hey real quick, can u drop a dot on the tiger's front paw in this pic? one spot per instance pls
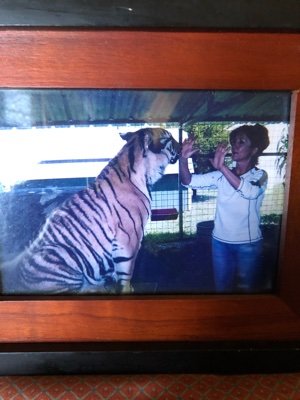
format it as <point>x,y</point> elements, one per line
<point>125,288</point>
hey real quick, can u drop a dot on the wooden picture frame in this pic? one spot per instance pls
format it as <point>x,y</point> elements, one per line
<point>132,59</point>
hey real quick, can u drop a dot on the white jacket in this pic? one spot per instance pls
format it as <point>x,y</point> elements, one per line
<point>237,216</point>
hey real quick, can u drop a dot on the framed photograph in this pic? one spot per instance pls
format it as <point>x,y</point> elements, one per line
<point>102,239</point>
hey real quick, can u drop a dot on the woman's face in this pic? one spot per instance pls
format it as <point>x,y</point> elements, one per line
<point>241,148</point>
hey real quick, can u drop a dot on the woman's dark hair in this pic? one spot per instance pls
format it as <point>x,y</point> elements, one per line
<point>258,136</point>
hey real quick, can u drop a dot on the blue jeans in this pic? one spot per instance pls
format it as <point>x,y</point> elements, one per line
<point>237,267</point>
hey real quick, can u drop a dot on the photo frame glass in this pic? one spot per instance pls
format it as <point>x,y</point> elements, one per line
<point>80,215</point>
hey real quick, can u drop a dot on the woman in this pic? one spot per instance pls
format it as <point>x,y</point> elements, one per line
<point>236,237</point>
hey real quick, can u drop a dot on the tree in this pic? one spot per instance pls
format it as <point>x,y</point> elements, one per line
<point>282,148</point>
<point>207,136</point>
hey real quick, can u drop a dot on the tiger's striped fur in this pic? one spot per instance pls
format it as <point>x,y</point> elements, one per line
<point>90,243</point>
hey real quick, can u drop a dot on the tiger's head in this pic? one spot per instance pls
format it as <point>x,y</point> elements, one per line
<point>157,149</point>
<point>156,140</point>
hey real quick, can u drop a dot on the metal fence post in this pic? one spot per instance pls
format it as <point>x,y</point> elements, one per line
<point>180,192</point>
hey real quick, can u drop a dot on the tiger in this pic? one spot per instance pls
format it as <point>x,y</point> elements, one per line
<point>90,242</point>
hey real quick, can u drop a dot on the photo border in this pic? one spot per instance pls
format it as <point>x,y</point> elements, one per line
<point>133,59</point>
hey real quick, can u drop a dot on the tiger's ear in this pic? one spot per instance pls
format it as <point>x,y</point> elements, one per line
<point>126,136</point>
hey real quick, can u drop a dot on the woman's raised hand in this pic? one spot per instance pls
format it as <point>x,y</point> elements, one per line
<point>219,157</point>
<point>188,148</point>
